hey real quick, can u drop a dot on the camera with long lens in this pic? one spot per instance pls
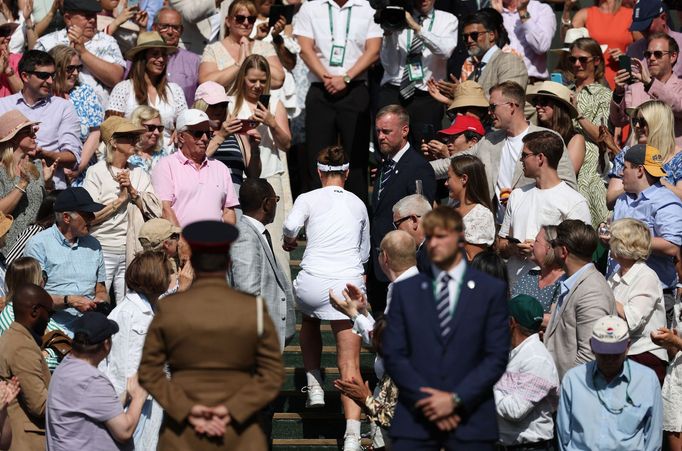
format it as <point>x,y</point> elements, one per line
<point>390,14</point>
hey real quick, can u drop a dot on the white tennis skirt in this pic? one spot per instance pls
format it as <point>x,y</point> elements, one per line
<point>312,295</point>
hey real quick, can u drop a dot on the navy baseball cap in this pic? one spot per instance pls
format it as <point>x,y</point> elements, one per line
<point>644,12</point>
<point>82,5</point>
<point>76,199</point>
<point>94,327</point>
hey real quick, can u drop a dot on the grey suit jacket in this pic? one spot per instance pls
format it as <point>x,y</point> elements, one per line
<point>255,271</point>
<point>503,67</point>
<point>489,150</point>
<point>568,334</point>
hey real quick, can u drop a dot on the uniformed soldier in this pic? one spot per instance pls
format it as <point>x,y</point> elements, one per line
<point>222,351</point>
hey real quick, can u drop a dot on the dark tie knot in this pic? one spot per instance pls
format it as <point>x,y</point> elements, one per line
<point>388,165</point>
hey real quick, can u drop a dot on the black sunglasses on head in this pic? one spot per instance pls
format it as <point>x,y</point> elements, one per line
<point>42,75</point>
<point>239,18</point>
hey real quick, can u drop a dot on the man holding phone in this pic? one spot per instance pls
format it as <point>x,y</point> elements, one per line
<point>651,79</point>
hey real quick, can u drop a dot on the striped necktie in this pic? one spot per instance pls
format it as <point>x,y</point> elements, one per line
<point>414,53</point>
<point>478,70</point>
<point>443,305</point>
<point>387,170</point>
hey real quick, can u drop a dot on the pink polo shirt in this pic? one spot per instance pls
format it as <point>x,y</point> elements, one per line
<point>195,195</point>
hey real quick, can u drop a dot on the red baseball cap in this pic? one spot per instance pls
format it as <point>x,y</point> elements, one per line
<point>463,123</point>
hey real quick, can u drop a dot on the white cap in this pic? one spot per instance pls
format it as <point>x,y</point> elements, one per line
<point>573,34</point>
<point>190,117</point>
<point>610,335</point>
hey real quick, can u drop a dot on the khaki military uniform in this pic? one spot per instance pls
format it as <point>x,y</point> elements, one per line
<point>208,336</point>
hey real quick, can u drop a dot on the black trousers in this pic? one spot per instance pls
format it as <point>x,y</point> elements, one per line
<point>329,118</point>
<point>449,444</point>
<point>426,113</point>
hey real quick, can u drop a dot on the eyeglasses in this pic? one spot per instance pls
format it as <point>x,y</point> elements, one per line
<point>168,26</point>
<point>639,122</point>
<point>274,197</point>
<point>175,236</point>
<point>241,19</point>
<point>42,75</point>
<point>583,59</point>
<point>397,222</point>
<point>494,106</point>
<point>525,155</point>
<point>198,134</point>
<point>74,67</point>
<point>658,54</point>
<point>152,127</point>
<point>473,35</point>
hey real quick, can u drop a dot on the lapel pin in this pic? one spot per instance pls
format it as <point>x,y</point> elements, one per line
<point>471,284</point>
<point>425,286</point>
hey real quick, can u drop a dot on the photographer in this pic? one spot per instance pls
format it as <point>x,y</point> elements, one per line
<point>415,54</point>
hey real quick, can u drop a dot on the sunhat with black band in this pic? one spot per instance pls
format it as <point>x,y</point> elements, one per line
<point>148,40</point>
<point>557,92</point>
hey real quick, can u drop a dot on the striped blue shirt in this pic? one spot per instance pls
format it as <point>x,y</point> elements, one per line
<point>73,269</point>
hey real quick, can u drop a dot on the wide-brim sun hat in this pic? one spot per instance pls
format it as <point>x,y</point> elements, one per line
<point>572,35</point>
<point>469,94</point>
<point>148,40</point>
<point>11,123</point>
<point>555,91</point>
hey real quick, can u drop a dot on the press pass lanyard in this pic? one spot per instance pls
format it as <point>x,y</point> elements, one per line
<point>331,23</point>
<point>409,30</point>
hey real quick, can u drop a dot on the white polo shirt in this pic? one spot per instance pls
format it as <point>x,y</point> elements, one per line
<point>315,20</point>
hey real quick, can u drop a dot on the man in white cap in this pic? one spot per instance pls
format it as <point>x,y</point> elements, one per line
<point>191,186</point>
<point>612,402</point>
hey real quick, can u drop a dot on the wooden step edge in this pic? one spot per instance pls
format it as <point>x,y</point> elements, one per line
<point>312,442</point>
<point>330,370</point>
<point>312,415</point>
<point>325,349</point>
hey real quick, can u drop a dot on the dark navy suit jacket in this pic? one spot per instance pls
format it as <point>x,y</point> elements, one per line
<point>469,361</point>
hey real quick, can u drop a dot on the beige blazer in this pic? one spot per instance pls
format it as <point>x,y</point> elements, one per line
<point>568,334</point>
<point>503,67</point>
<point>21,356</point>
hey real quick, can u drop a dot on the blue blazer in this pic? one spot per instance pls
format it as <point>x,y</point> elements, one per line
<point>469,361</point>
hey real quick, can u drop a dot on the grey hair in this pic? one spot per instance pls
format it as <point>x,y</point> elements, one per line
<point>167,9</point>
<point>414,204</point>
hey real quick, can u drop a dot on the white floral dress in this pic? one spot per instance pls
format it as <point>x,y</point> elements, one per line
<point>672,386</point>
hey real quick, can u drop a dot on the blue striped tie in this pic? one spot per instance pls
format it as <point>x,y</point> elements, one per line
<point>386,173</point>
<point>443,305</point>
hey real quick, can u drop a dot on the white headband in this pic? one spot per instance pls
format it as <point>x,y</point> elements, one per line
<point>329,168</point>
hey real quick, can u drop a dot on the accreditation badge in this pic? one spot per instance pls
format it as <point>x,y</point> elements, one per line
<point>415,71</point>
<point>337,56</point>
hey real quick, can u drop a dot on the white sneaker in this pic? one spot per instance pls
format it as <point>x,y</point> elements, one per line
<point>315,396</point>
<point>351,442</point>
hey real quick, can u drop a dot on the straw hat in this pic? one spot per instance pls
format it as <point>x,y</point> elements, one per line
<point>5,223</point>
<point>555,91</point>
<point>117,124</point>
<point>572,35</point>
<point>148,40</point>
<point>11,122</point>
<point>469,93</point>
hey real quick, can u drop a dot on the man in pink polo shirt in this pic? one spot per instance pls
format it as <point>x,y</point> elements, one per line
<point>192,186</point>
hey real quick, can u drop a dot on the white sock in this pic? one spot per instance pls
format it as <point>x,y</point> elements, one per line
<point>314,377</point>
<point>353,427</point>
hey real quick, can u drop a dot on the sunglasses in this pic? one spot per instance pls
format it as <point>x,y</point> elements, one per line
<point>473,35</point>
<point>151,128</point>
<point>129,137</point>
<point>639,122</point>
<point>175,236</point>
<point>49,311</point>
<point>42,75</point>
<point>74,67</point>
<point>167,26</point>
<point>658,54</point>
<point>275,197</point>
<point>30,131</point>
<point>525,155</point>
<point>493,106</point>
<point>583,59</point>
<point>543,101</point>
<point>198,134</point>
<point>241,19</point>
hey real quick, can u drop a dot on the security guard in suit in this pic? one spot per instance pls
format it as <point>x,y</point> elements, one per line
<point>222,351</point>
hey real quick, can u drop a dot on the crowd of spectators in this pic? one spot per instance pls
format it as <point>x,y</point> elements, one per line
<point>497,216</point>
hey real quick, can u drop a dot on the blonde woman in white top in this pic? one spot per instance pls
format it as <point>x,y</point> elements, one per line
<point>128,196</point>
<point>337,228</point>
<point>253,80</point>
<point>638,292</point>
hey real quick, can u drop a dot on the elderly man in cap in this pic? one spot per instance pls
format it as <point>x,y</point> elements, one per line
<point>611,403</point>
<point>71,257</point>
<point>21,357</point>
<point>83,409</point>
<point>527,393</point>
<point>191,186</point>
<point>103,63</point>
<point>160,234</point>
<point>225,357</point>
<point>647,200</point>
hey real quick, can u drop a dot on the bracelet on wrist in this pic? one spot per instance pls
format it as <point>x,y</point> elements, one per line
<point>20,189</point>
<point>566,22</point>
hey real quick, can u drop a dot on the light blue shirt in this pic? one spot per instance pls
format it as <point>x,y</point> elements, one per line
<point>661,211</point>
<point>73,269</point>
<point>565,285</point>
<point>584,423</point>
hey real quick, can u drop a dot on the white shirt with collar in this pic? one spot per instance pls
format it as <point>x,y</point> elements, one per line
<point>312,21</point>
<point>396,158</point>
<point>256,223</point>
<point>454,284</point>
<point>439,33</point>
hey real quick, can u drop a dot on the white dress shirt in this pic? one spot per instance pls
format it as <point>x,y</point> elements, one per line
<point>454,284</point>
<point>439,34</point>
<point>527,394</point>
<point>312,21</point>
